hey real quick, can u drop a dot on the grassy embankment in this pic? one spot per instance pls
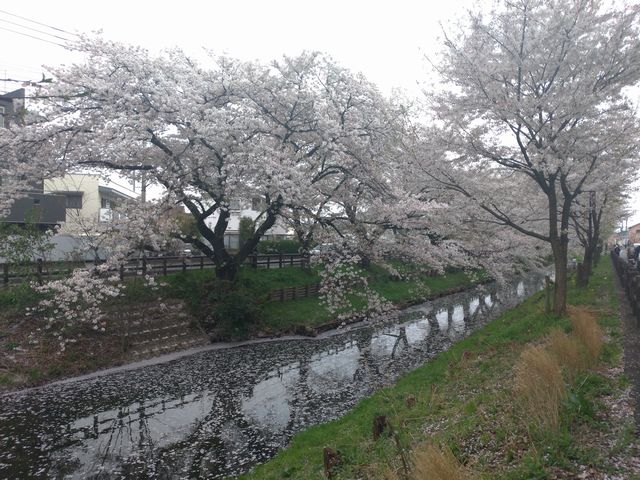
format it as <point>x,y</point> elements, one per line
<point>475,411</point>
<point>23,363</point>
<point>259,316</point>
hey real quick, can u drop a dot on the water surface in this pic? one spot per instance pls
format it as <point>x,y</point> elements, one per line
<point>218,413</point>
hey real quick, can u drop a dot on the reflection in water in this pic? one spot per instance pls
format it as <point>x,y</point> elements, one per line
<point>417,331</point>
<point>488,301</point>
<point>457,320</point>
<point>442,317</point>
<point>268,406</point>
<point>473,306</point>
<point>332,368</point>
<point>218,413</point>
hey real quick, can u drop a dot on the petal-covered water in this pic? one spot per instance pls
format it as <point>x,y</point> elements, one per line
<point>218,413</point>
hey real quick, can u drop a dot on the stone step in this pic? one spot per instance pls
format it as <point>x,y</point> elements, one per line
<point>155,330</point>
<point>151,316</point>
<point>160,338</point>
<point>149,330</point>
<point>160,349</point>
<point>162,308</point>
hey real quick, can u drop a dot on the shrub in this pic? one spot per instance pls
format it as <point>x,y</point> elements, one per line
<point>586,328</point>
<point>540,387</point>
<point>228,310</point>
<point>279,246</point>
<point>567,351</point>
<point>438,464</point>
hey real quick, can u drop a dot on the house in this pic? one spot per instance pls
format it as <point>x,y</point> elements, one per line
<point>252,210</point>
<point>11,107</point>
<point>634,233</point>
<point>88,198</point>
<point>34,206</point>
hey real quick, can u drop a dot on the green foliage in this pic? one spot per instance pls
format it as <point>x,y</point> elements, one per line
<point>16,298</point>
<point>229,310</point>
<point>279,246</point>
<point>187,224</point>
<point>21,245</point>
<point>245,229</point>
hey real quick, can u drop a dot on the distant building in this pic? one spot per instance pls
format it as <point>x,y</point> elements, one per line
<point>634,233</point>
<point>250,209</point>
<point>11,107</point>
<point>87,197</point>
<point>33,206</point>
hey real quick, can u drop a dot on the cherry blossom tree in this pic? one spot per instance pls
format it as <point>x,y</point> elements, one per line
<point>232,131</point>
<point>77,300</point>
<point>598,213</point>
<point>532,108</point>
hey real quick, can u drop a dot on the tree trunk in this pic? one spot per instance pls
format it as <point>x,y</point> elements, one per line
<point>597,254</point>
<point>560,255</point>
<point>228,271</point>
<point>588,264</point>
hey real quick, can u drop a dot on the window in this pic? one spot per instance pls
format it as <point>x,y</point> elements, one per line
<point>1,117</point>
<point>73,200</point>
<point>258,204</point>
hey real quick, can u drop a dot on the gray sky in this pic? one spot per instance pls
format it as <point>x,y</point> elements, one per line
<point>384,40</point>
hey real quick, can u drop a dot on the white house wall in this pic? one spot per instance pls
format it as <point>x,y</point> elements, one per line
<point>234,222</point>
<point>88,185</point>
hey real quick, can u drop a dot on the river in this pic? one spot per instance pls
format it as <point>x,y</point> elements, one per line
<point>218,413</point>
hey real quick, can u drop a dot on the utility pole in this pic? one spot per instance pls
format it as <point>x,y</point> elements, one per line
<point>143,186</point>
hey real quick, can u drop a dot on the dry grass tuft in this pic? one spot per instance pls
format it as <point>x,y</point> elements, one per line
<point>435,463</point>
<point>540,387</point>
<point>568,351</point>
<point>586,328</point>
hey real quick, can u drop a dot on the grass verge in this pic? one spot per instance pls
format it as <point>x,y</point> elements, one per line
<point>463,401</point>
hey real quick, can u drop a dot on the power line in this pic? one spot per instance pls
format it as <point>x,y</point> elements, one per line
<point>33,36</point>
<point>35,29</point>
<point>39,23</point>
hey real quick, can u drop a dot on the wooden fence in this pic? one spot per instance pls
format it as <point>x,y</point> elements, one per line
<point>40,270</point>
<point>292,293</point>
<point>630,279</point>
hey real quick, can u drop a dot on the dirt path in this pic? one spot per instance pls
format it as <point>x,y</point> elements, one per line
<point>631,345</point>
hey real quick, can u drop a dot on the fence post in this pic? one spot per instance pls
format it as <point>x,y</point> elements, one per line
<point>144,266</point>
<point>184,264</point>
<point>280,260</point>
<point>547,303</point>
<point>5,273</point>
<point>201,263</point>
<point>268,262</point>
<point>164,266</point>
<point>254,261</point>
<point>122,272</point>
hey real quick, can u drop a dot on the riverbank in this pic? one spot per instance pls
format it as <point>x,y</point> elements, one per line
<point>465,402</point>
<point>29,360</point>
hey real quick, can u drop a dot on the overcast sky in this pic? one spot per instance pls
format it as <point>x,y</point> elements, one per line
<point>387,41</point>
<point>384,40</point>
